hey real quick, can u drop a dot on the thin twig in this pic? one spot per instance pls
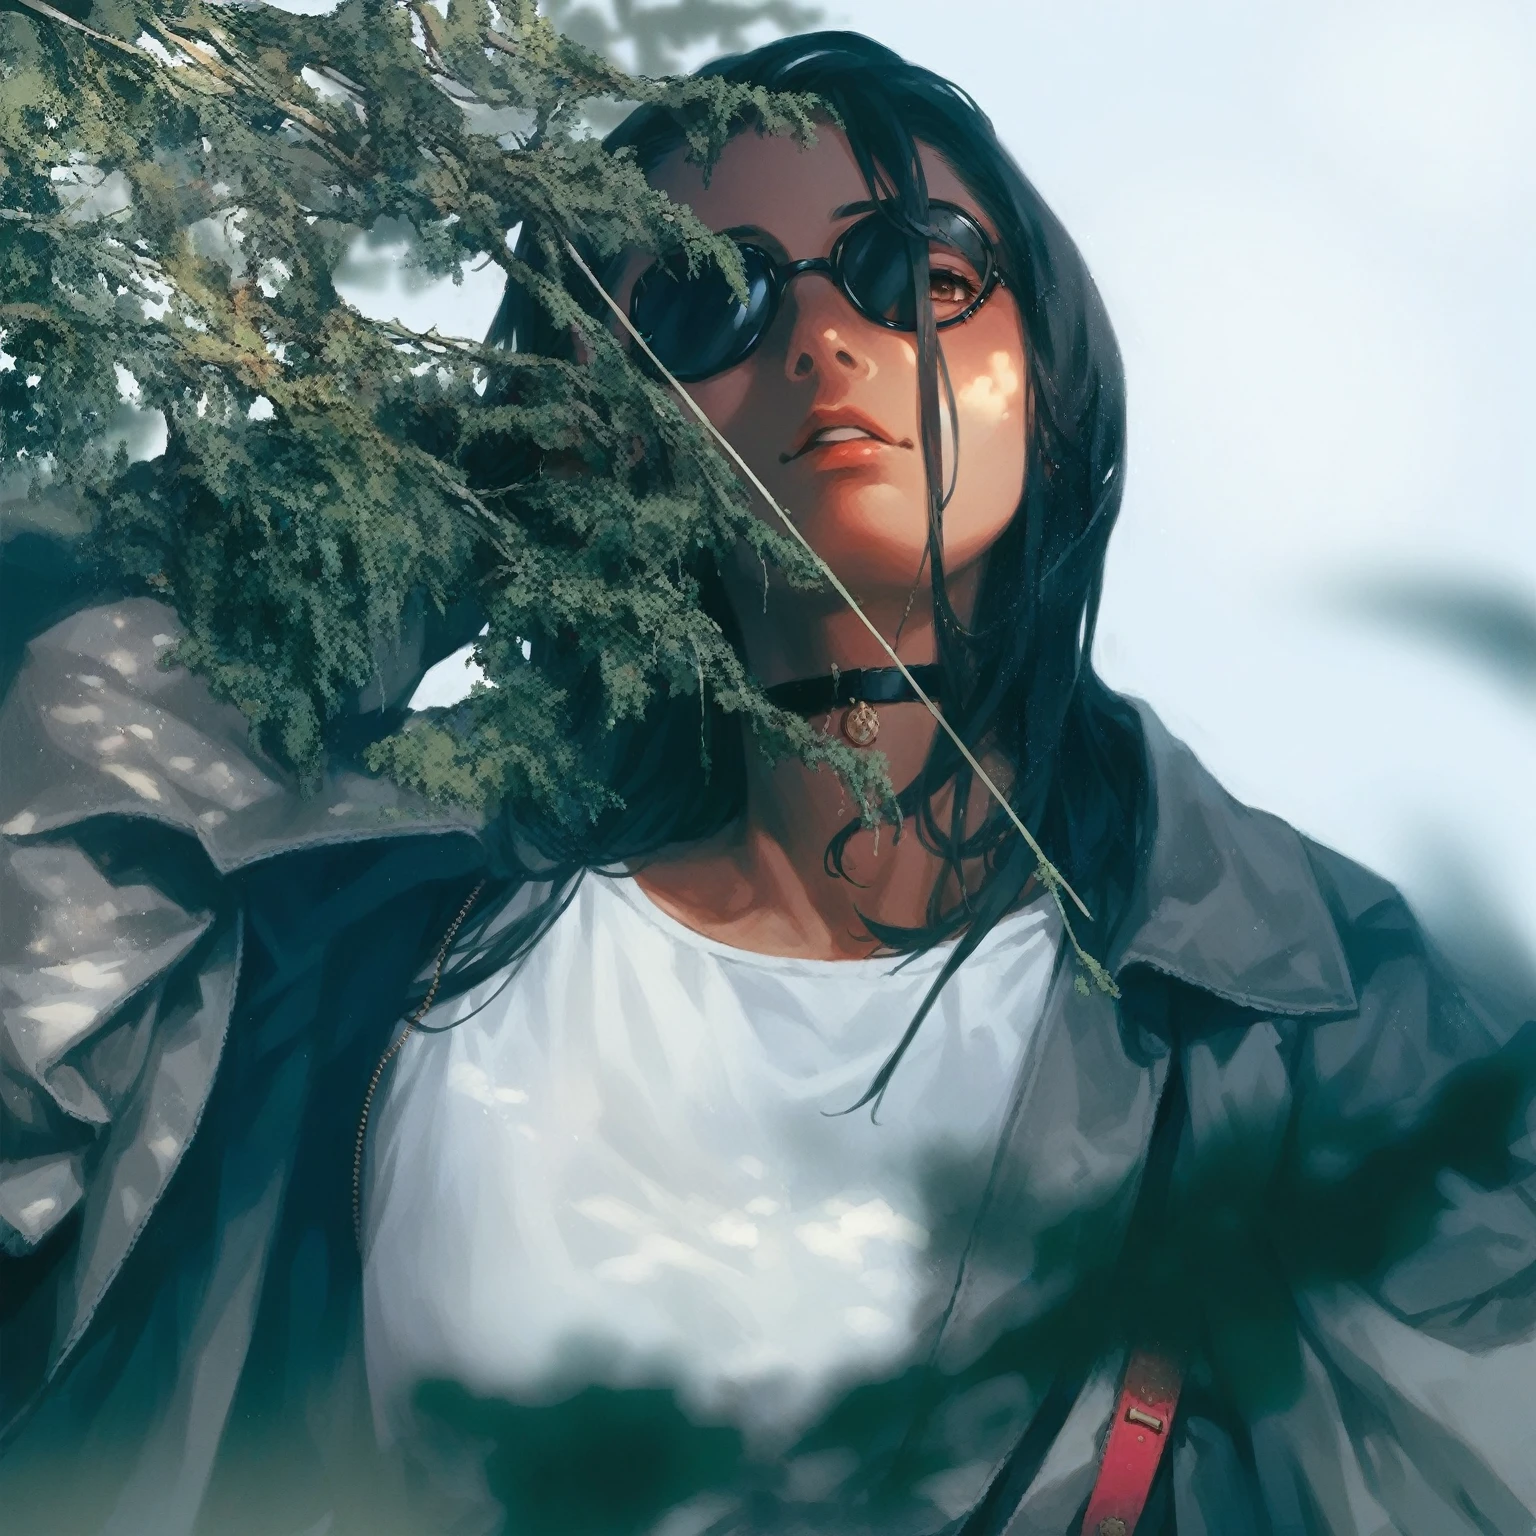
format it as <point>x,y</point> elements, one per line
<point>198,55</point>
<point>34,312</point>
<point>43,9</point>
<point>431,50</point>
<point>216,70</point>
<point>1050,876</point>
<point>231,68</point>
<point>463,345</point>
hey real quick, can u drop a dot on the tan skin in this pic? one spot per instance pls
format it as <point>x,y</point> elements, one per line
<point>761,884</point>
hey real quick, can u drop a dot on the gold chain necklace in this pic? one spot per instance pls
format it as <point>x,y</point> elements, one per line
<point>389,1055</point>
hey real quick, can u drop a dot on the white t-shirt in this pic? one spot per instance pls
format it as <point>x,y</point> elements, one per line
<point>622,1170</point>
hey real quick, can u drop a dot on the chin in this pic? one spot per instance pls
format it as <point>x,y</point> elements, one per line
<point>870,533</point>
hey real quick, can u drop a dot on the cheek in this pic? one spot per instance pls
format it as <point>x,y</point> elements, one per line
<point>723,398</point>
<point>991,408</point>
<point>991,401</point>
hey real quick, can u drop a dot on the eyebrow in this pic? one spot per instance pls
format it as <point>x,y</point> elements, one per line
<point>846,211</point>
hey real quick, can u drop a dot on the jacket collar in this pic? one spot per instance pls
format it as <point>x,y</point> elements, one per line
<point>1226,897</point>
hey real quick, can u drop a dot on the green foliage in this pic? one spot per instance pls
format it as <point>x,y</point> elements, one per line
<point>174,199</point>
<point>662,39</point>
<point>658,39</point>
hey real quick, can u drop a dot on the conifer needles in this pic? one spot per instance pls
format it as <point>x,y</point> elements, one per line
<point>176,193</point>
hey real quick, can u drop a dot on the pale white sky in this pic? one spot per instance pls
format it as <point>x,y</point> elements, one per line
<point>1313,224</point>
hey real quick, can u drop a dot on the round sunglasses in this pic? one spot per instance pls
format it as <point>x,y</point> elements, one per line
<point>698,326</point>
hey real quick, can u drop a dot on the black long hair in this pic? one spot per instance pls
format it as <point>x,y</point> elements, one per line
<point>1020,680</point>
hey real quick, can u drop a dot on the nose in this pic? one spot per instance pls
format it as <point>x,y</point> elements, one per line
<point>824,337</point>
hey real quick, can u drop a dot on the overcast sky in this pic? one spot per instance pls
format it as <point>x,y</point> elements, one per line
<point>1313,223</point>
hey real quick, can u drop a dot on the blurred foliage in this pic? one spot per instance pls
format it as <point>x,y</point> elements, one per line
<point>1472,927</point>
<point>176,192</point>
<point>665,39</point>
<point>659,39</point>
<point>1491,626</point>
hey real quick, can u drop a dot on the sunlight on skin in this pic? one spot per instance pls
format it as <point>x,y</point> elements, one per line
<point>991,396</point>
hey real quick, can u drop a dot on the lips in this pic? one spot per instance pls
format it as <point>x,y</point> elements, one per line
<point>823,428</point>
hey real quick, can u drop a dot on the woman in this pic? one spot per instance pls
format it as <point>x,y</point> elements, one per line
<point>1245,1223</point>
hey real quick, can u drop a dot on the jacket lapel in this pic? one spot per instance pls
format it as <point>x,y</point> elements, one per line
<point>1226,899</point>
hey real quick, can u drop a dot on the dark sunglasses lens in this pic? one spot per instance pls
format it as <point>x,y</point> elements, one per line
<point>960,236</point>
<point>695,324</point>
<point>878,274</point>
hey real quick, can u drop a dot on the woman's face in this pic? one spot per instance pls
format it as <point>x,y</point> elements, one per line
<point>826,409</point>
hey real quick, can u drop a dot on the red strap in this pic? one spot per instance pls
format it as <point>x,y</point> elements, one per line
<point>1137,1434</point>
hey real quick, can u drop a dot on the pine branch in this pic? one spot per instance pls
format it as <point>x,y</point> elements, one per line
<point>178,211</point>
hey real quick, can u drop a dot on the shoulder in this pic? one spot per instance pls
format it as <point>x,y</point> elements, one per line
<point>1258,922</point>
<point>1426,1017</point>
<point>1422,1077</point>
<point>1383,939</point>
<point>98,724</point>
<point>148,856</point>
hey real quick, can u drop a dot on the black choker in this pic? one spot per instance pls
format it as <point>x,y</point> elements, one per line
<point>856,691</point>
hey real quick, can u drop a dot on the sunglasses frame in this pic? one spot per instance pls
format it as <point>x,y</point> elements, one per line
<point>780,274</point>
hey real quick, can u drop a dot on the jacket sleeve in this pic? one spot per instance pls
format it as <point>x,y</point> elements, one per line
<point>129,799</point>
<point>1414,1238</point>
<point>118,951</point>
<point>1386,1376</point>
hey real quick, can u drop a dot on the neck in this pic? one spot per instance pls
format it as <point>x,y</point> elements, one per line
<point>763,884</point>
<point>806,634</point>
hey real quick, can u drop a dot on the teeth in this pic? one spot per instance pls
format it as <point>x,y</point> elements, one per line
<point>840,434</point>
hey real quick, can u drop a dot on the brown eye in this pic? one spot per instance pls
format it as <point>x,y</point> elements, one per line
<point>950,290</point>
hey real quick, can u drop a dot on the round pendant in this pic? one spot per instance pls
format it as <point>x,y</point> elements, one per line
<point>861,724</point>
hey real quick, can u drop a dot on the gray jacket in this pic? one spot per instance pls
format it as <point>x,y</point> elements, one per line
<point>1294,1145</point>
